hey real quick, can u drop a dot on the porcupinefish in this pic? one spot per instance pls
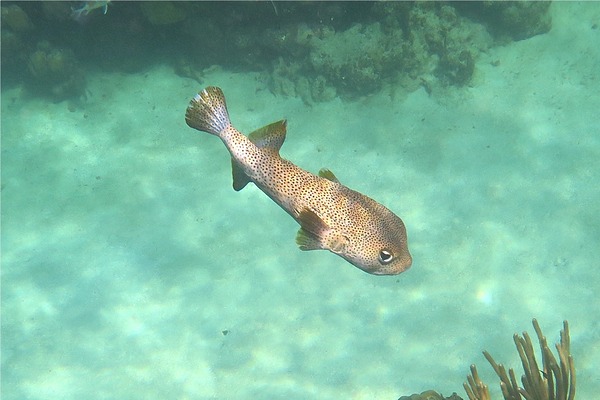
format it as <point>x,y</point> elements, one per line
<point>331,216</point>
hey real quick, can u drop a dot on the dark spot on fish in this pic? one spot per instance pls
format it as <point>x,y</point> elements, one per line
<point>225,332</point>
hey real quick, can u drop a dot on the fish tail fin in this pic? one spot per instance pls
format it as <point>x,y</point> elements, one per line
<point>207,111</point>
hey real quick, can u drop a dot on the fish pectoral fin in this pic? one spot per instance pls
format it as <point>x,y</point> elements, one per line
<point>270,137</point>
<point>312,232</point>
<point>337,243</point>
<point>327,174</point>
<point>307,241</point>
<point>240,179</point>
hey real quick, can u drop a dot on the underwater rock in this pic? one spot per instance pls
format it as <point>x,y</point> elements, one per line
<point>284,77</point>
<point>57,11</point>
<point>411,41</point>
<point>457,69</point>
<point>288,80</point>
<point>352,62</point>
<point>55,72</point>
<point>522,20</point>
<point>186,69</point>
<point>321,91</point>
<point>513,20</point>
<point>15,18</point>
<point>12,44</point>
<point>16,31</point>
<point>162,12</point>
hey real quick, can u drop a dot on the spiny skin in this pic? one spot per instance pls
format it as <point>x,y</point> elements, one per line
<point>332,216</point>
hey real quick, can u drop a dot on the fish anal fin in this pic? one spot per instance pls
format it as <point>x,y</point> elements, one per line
<point>312,232</point>
<point>327,174</point>
<point>270,137</point>
<point>240,179</point>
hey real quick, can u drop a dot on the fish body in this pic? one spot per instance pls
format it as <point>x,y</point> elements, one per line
<point>331,216</point>
<point>87,7</point>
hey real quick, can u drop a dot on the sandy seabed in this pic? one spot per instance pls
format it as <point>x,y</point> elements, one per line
<point>132,270</point>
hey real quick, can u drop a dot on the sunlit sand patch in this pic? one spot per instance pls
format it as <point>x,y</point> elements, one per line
<point>486,294</point>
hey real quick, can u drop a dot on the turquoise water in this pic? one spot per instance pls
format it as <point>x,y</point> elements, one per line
<point>131,269</point>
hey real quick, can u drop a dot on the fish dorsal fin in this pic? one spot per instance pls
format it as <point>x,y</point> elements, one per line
<point>240,179</point>
<point>327,174</point>
<point>312,232</point>
<point>270,137</point>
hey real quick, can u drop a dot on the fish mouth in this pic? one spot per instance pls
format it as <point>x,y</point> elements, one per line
<point>405,262</point>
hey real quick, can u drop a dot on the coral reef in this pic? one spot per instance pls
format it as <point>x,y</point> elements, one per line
<point>451,41</point>
<point>313,50</point>
<point>430,395</point>
<point>555,381</point>
<point>357,58</point>
<point>409,42</point>
<point>476,389</point>
<point>47,70</point>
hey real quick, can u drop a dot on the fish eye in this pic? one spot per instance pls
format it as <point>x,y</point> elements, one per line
<point>385,257</point>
